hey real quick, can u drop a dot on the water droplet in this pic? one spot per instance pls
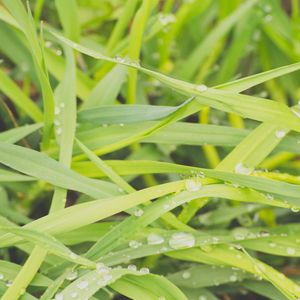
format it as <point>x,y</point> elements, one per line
<point>264,233</point>
<point>154,239</point>
<point>272,244</point>
<point>134,244</point>
<point>1,276</point>
<point>107,277</point>
<point>58,52</point>
<point>215,240</point>
<point>290,251</point>
<point>57,110</point>
<point>280,134</point>
<point>48,44</point>
<point>269,197</point>
<point>201,88</point>
<point>72,275</point>
<point>82,284</point>
<point>202,297</point>
<point>192,185</point>
<point>162,298</point>
<point>73,295</point>
<point>72,255</point>
<point>144,271</point>
<point>233,278</point>
<point>9,283</point>
<point>166,19</point>
<point>132,267</point>
<point>267,8</point>
<point>268,18</point>
<point>182,240</point>
<point>186,275</point>
<point>295,209</point>
<point>138,212</point>
<point>59,296</point>
<point>119,59</point>
<point>121,124</point>
<point>296,109</point>
<point>166,206</point>
<point>62,105</point>
<point>102,268</point>
<point>241,169</point>
<point>56,122</point>
<point>58,131</point>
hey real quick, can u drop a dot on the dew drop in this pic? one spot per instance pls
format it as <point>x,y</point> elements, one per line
<point>73,295</point>
<point>82,285</point>
<point>233,278</point>
<point>57,110</point>
<point>268,18</point>
<point>1,276</point>
<point>58,52</point>
<point>201,88</point>
<point>186,275</point>
<point>182,240</point>
<point>192,185</point>
<point>102,268</point>
<point>73,255</point>
<point>269,197</point>
<point>295,209</point>
<point>134,244</point>
<point>58,131</point>
<point>272,244</point>
<point>290,251</point>
<point>72,275</point>
<point>154,239</point>
<point>119,59</point>
<point>202,297</point>
<point>121,124</point>
<point>166,19</point>
<point>144,271</point>
<point>9,283</point>
<point>166,206</point>
<point>48,44</point>
<point>107,277</point>
<point>242,169</point>
<point>280,134</point>
<point>59,297</point>
<point>138,212</point>
<point>162,298</point>
<point>131,267</point>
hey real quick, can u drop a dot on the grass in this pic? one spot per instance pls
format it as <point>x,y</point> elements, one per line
<point>149,150</point>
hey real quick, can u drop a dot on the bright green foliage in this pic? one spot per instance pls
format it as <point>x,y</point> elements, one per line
<point>123,175</point>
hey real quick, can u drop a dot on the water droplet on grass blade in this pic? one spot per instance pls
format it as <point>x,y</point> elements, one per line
<point>280,134</point>
<point>1,276</point>
<point>59,297</point>
<point>154,239</point>
<point>134,244</point>
<point>181,240</point>
<point>72,275</point>
<point>138,212</point>
<point>192,185</point>
<point>144,271</point>
<point>73,295</point>
<point>82,284</point>
<point>242,169</point>
<point>201,88</point>
<point>290,251</point>
<point>132,267</point>
<point>186,275</point>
